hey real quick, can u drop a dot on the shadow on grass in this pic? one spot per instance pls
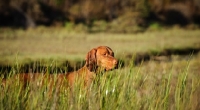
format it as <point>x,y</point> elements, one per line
<point>68,66</point>
<point>164,55</point>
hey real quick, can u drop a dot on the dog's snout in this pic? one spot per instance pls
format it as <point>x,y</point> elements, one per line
<point>115,62</point>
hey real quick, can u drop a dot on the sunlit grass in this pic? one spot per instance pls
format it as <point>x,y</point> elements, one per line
<point>152,85</point>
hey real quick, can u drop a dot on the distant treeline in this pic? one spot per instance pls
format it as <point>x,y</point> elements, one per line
<point>31,13</point>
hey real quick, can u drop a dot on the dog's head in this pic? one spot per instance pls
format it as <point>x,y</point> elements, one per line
<point>101,56</point>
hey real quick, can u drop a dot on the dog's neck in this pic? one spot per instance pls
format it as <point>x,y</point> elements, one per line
<point>90,73</point>
<point>95,69</point>
<point>86,71</point>
<point>87,75</point>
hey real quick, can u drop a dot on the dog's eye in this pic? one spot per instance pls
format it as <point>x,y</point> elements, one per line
<point>104,54</point>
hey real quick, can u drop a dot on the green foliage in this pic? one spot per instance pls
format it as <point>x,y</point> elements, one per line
<point>154,26</point>
<point>99,26</point>
<point>69,26</point>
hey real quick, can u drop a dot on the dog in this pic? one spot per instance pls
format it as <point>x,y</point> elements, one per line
<point>100,58</point>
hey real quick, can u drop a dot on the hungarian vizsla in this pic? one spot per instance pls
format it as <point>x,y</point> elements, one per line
<point>100,58</point>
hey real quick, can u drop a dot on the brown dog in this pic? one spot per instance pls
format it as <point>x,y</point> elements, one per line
<point>101,57</point>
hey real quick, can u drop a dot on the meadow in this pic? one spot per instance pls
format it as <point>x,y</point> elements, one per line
<point>170,83</point>
<point>59,43</point>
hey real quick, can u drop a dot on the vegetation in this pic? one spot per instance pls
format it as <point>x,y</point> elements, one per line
<point>169,83</point>
<point>152,85</point>
<point>157,44</point>
<point>134,13</point>
<point>60,44</point>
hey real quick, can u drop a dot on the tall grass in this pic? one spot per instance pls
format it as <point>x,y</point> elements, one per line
<point>153,86</point>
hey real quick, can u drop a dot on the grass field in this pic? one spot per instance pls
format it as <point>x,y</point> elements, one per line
<point>58,43</point>
<point>155,85</point>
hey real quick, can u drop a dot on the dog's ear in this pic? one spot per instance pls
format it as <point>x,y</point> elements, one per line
<point>91,61</point>
<point>110,51</point>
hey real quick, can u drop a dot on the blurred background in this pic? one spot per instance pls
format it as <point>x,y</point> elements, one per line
<point>90,13</point>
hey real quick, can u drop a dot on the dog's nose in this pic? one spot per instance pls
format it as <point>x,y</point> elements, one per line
<point>115,62</point>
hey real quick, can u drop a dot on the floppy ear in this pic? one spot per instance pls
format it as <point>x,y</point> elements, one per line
<point>91,61</point>
<point>110,51</point>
